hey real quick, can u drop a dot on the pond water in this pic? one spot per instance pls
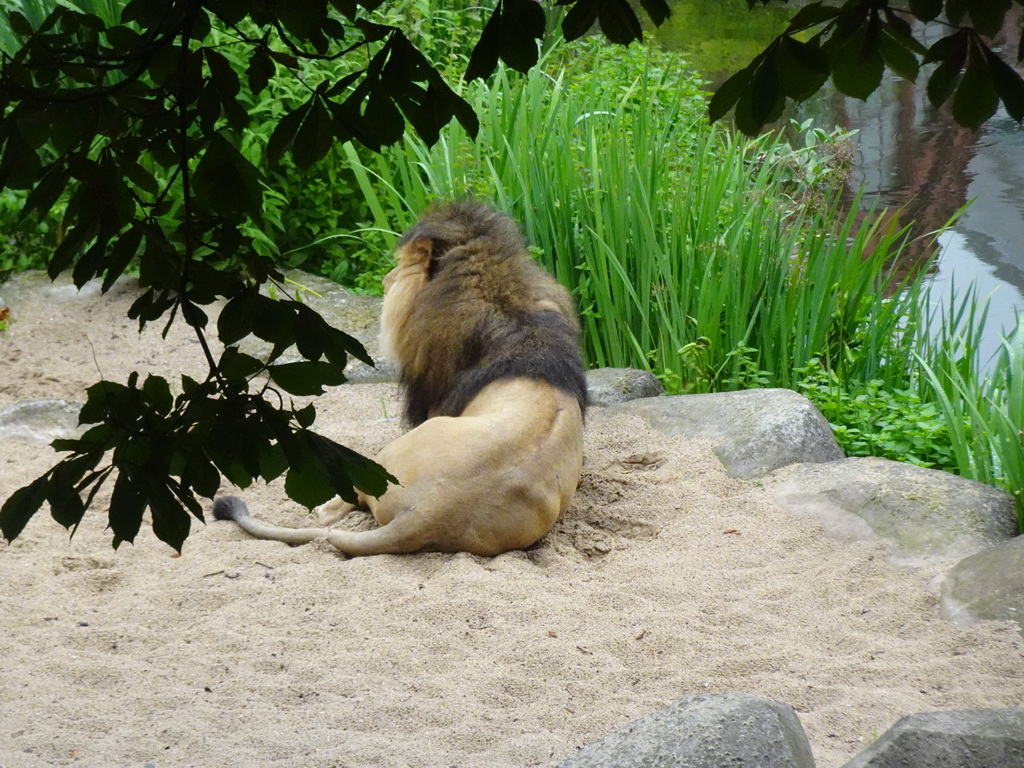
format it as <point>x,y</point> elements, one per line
<point>908,156</point>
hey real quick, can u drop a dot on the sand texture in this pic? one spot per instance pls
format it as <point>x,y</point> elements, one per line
<point>665,578</point>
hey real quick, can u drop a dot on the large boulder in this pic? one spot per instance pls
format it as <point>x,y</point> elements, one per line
<point>704,731</point>
<point>752,432</point>
<point>978,738</point>
<point>608,386</point>
<point>925,513</point>
<point>988,585</point>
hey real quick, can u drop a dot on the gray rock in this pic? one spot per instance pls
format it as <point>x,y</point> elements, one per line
<point>925,513</point>
<point>752,432</point>
<point>608,386</point>
<point>988,585</point>
<point>973,738</point>
<point>40,421</point>
<point>704,731</point>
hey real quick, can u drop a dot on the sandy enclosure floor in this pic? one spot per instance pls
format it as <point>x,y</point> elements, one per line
<point>665,578</point>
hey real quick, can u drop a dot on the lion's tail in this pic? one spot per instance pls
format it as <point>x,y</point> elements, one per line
<point>401,536</point>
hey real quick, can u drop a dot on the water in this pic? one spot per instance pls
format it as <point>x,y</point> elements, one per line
<point>913,157</point>
<point>908,156</point>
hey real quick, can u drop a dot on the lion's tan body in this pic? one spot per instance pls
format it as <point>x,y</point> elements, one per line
<point>486,343</point>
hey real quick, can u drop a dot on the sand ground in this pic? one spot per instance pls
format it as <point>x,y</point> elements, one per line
<point>665,578</point>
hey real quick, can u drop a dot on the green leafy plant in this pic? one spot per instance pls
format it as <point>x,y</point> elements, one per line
<point>870,420</point>
<point>139,124</point>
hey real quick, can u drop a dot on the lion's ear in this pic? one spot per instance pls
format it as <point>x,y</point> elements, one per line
<point>417,254</point>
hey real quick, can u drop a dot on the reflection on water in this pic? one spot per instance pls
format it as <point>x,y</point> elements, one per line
<point>912,156</point>
<point>908,156</point>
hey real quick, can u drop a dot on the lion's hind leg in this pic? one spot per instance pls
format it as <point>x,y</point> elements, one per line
<point>334,510</point>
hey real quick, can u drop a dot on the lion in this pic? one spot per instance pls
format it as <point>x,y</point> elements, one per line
<point>487,345</point>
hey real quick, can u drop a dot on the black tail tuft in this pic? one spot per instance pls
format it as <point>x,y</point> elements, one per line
<point>229,508</point>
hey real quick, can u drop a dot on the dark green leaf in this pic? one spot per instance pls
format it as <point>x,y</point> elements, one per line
<point>127,503</point>
<point>522,26</point>
<point>729,92</point>
<point>315,136</point>
<point>171,523</point>
<point>284,134</point>
<point>20,167</point>
<point>21,506</point>
<point>987,16</point>
<point>956,10</point>
<point>46,192</point>
<point>926,10</point>
<point>66,506</point>
<point>261,69</point>
<point>1008,85</point>
<point>306,378</point>
<point>346,468</point>
<point>307,484</point>
<point>580,19</point>
<point>229,11</point>
<point>810,16</point>
<point>944,79</point>
<point>226,183</point>
<point>236,365</point>
<point>802,68</point>
<point>158,392</point>
<point>857,65</point>
<point>201,475</point>
<point>274,321</point>
<point>19,24</point>
<point>125,249</point>
<point>897,57</point>
<point>238,317</point>
<point>146,12</point>
<point>619,22</point>
<point>484,58</point>
<point>976,99</point>
<point>657,10</point>
<point>306,416</point>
